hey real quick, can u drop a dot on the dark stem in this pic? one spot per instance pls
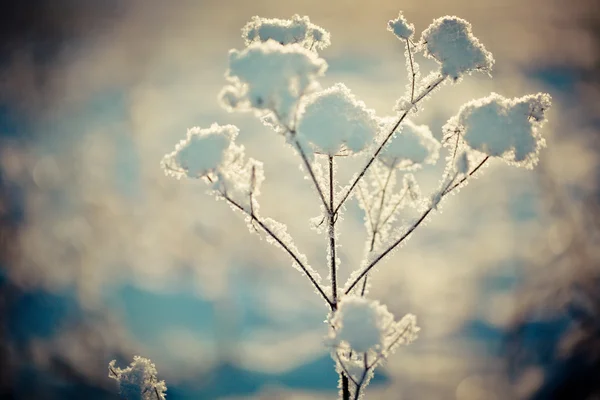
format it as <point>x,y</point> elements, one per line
<point>345,387</point>
<point>332,267</point>
<point>412,71</point>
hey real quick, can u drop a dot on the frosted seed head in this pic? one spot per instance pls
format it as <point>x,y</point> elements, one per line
<point>450,41</point>
<point>202,152</point>
<point>401,28</point>
<point>410,147</point>
<point>285,31</point>
<point>138,380</point>
<point>504,128</point>
<point>333,120</point>
<point>268,76</point>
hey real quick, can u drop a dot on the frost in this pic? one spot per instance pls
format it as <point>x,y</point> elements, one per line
<point>203,151</point>
<point>366,325</point>
<point>333,120</point>
<point>270,76</point>
<point>284,31</point>
<point>450,41</point>
<point>411,146</point>
<point>401,28</point>
<point>501,127</point>
<point>138,381</point>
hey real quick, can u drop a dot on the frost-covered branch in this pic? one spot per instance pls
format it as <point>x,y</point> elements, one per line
<point>283,245</point>
<point>332,220</point>
<point>138,381</point>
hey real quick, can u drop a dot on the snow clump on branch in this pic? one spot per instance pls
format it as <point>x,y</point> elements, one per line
<point>202,152</point>
<point>284,31</point>
<point>401,28</point>
<point>366,325</point>
<point>450,41</point>
<point>333,120</point>
<point>501,127</point>
<point>138,381</point>
<point>411,146</point>
<point>270,77</point>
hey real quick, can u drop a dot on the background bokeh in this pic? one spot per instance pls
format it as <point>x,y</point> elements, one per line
<point>103,257</point>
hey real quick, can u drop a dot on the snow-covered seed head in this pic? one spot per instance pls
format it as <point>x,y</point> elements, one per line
<point>138,381</point>
<point>202,152</point>
<point>401,28</point>
<point>333,120</point>
<point>366,325</point>
<point>268,76</point>
<point>410,147</point>
<point>504,128</point>
<point>450,41</point>
<point>284,31</point>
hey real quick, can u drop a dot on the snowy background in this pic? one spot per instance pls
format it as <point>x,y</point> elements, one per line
<point>104,257</point>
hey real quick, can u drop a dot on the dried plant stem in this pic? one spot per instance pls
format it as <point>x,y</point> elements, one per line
<point>332,219</point>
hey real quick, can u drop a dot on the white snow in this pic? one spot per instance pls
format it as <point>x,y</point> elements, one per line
<point>203,151</point>
<point>502,127</point>
<point>401,28</point>
<point>333,120</point>
<point>450,41</point>
<point>411,146</point>
<point>138,381</point>
<point>284,31</point>
<point>270,76</point>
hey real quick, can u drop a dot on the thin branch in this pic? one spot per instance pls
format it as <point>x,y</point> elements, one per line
<point>283,245</point>
<point>362,378</point>
<point>337,355</point>
<point>310,171</point>
<point>414,226</point>
<point>466,176</point>
<point>386,219</point>
<point>427,90</point>
<point>412,71</point>
<point>332,267</point>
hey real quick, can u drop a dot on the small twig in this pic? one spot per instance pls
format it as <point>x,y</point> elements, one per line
<point>414,226</point>
<point>113,371</point>
<point>344,368</point>
<point>362,378</point>
<point>412,70</point>
<point>284,246</point>
<point>466,176</point>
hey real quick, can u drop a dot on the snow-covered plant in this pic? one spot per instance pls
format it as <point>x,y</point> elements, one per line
<point>276,77</point>
<point>138,381</point>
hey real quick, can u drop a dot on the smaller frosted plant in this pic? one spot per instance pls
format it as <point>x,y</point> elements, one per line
<point>138,381</point>
<point>276,76</point>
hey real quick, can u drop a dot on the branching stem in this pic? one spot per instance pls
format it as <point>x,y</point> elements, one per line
<point>414,226</point>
